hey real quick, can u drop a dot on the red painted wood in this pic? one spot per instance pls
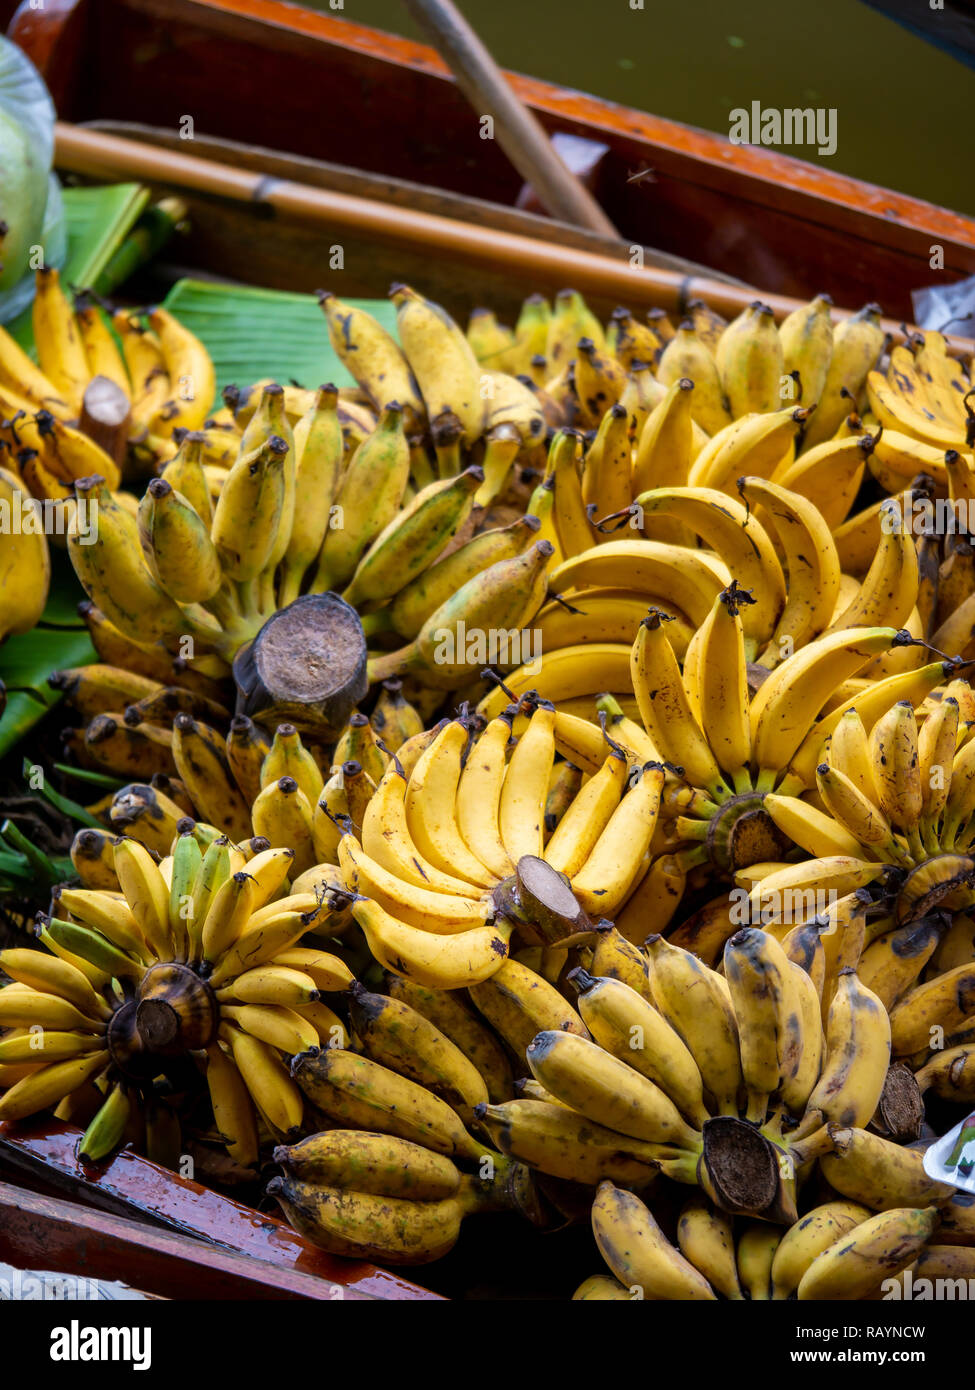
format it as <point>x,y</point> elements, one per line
<point>48,1234</point>
<point>276,74</point>
<point>46,1152</point>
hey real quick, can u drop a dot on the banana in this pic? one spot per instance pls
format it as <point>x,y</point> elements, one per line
<point>440,359</point>
<point>18,372</point>
<point>695,1002</point>
<point>271,984</point>
<point>614,865</point>
<point>392,1033</point>
<point>797,1088</point>
<point>829,476</point>
<point>789,700</point>
<point>858,1035</point>
<point>750,361</point>
<point>112,570</point>
<point>705,1239</point>
<point>201,762</point>
<point>665,710</point>
<point>260,941</point>
<point>318,448</point>
<point>599,380</point>
<point>49,975</point>
<point>870,705</point>
<point>247,747</point>
<point>607,465</point>
<point>60,348</point>
<point>521,807</point>
<point>553,1139</point>
<point>425,594</point>
<point>857,344</point>
<point>742,543</point>
<point>941,1003</point>
<point>909,419</point>
<point>386,838</point>
<point>106,1130</point>
<point>368,499</point>
<point>414,538</point>
<point>476,1042</point>
<point>479,796</point>
<point>948,1073</point>
<point>364,1095</point>
<point>863,820</point>
<point>49,1085</point>
<point>191,376</point>
<point>586,817</point>
<point>877,1173</point>
<point>896,773</point>
<point>266,1078</point>
<point>233,1112</point>
<point>591,1081</point>
<point>766,1005</point>
<point>638,1253</point>
<point>721,703</point>
<point>364,1226</point>
<point>146,893</point>
<point>665,447</point>
<point>813,831</point>
<point>571,320</point>
<point>805,541</point>
<point>755,1252</point>
<point>25,562</point>
<point>46,1045</point>
<point>623,1022</point>
<point>808,1238</point>
<point>473,626</point>
<point>288,757</point>
<point>893,963</point>
<point>519,1003</point>
<point>806,336</point>
<point>374,359</point>
<point>687,357</point>
<point>279,1027</point>
<point>442,913</point>
<point>441,962</point>
<point>759,445</point>
<point>431,813</point>
<point>856,1264</point>
<point>685,578</point>
<point>379,1163</point>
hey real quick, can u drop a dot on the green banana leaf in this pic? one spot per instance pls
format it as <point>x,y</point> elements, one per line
<point>255,334</point>
<point>97,221</point>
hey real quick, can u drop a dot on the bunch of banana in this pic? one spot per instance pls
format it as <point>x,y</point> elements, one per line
<point>162,373</point>
<point>893,795</point>
<point>376,1196</point>
<point>190,962</point>
<point>439,855</point>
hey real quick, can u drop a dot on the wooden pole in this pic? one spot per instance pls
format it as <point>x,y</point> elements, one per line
<point>538,264</point>
<point>518,131</point>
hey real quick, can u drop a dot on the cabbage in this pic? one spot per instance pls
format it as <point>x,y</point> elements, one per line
<point>26,151</point>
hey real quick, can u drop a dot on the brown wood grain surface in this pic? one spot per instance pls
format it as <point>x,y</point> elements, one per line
<point>273,74</point>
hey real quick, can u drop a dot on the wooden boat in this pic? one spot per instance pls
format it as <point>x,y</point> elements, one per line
<point>132,1221</point>
<point>255,72</point>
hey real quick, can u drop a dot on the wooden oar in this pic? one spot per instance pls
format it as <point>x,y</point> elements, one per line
<point>518,132</point>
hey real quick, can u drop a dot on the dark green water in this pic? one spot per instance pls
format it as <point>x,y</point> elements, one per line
<point>904,109</point>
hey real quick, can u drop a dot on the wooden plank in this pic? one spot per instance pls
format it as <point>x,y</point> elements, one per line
<point>764,217</point>
<point>385,237</point>
<point>44,1153</point>
<point>45,1233</point>
<point>319,173</point>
